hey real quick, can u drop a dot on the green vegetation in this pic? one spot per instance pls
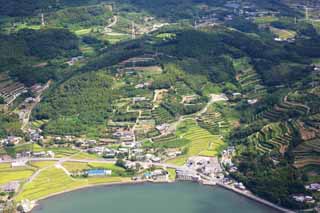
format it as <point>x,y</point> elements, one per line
<point>167,76</point>
<point>10,174</point>
<point>43,164</point>
<point>53,177</point>
<point>201,142</point>
<point>9,125</point>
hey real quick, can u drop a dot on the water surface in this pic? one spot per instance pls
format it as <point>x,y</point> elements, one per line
<point>155,198</point>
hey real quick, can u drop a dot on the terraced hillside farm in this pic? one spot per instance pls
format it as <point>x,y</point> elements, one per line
<point>214,122</point>
<point>274,136</point>
<point>10,89</point>
<point>250,81</point>
<point>203,143</point>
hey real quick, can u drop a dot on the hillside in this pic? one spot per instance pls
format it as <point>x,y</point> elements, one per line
<point>168,79</point>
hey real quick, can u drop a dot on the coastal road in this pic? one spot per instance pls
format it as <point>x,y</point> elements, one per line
<point>60,160</point>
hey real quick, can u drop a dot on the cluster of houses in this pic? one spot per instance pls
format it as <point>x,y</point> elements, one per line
<point>226,156</point>
<point>123,134</point>
<point>303,199</point>
<point>10,140</point>
<point>35,135</point>
<point>187,175</point>
<point>230,182</point>
<point>103,151</point>
<point>163,128</point>
<point>207,166</point>
<point>143,85</point>
<point>156,175</point>
<point>313,187</point>
<point>12,186</point>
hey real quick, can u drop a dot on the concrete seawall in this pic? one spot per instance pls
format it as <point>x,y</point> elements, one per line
<point>255,198</point>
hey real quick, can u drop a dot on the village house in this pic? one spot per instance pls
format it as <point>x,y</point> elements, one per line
<point>138,99</point>
<point>313,187</point>
<point>19,163</point>
<point>239,186</point>
<point>130,165</point>
<point>183,174</point>
<point>303,198</point>
<point>128,144</point>
<point>97,150</point>
<point>252,101</point>
<point>163,128</point>
<point>39,154</point>
<point>11,140</point>
<point>73,60</point>
<point>158,174</point>
<point>109,153</point>
<point>123,150</point>
<point>12,186</point>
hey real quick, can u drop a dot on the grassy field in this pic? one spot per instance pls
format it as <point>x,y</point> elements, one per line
<point>63,152</point>
<point>13,175</point>
<point>43,164</point>
<point>85,156</point>
<point>75,166</point>
<point>283,34</point>
<point>5,166</point>
<point>48,182</point>
<point>265,19</point>
<point>53,180</point>
<point>100,180</point>
<point>172,174</point>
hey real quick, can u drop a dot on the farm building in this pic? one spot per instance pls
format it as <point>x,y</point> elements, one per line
<point>98,172</point>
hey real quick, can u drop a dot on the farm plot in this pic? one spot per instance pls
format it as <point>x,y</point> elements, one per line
<point>202,142</point>
<point>8,174</point>
<point>49,181</point>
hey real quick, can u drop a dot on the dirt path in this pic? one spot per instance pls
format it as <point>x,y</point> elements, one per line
<point>27,114</point>
<point>114,22</point>
<point>173,126</point>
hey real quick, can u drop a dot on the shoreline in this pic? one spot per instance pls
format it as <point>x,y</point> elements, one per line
<point>229,188</point>
<point>35,202</point>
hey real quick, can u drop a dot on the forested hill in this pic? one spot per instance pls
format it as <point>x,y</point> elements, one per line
<point>172,9</point>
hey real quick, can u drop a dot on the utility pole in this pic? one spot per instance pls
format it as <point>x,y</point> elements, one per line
<point>42,20</point>
<point>306,13</point>
<point>133,31</point>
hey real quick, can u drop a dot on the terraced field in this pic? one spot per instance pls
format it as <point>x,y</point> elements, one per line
<point>307,153</point>
<point>202,142</point>
<point>63,152</point>
<point>279,111</point>
<point>274,136</point>
<point>171,141</point>
<point>161,115</point>
<point>75,166</point>
<point>43,164</point>
<point>53,177</point>
<point>8,174</point>
<point>85,156</point>
<point>250,81</point>
<point>214,122</point>
<point>182,89</point>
